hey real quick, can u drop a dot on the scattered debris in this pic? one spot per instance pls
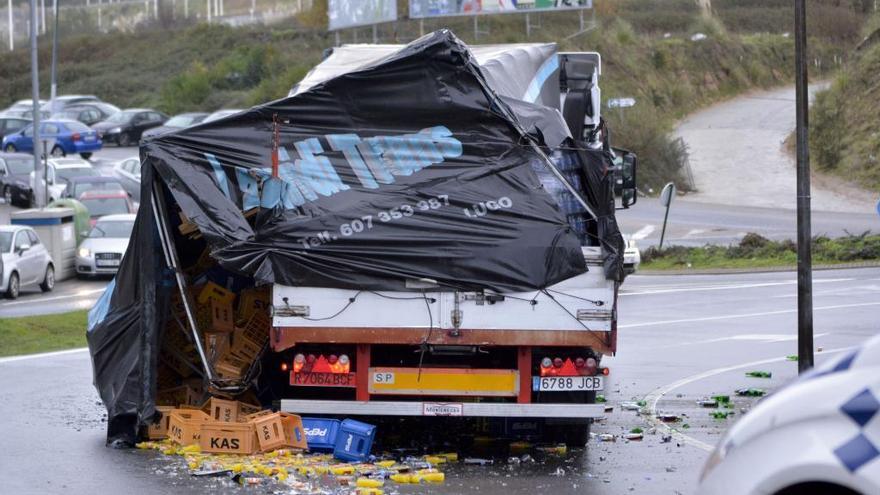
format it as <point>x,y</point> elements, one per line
<point>636,430</point>
<point>478,461</point>
<point>630,406</point>
<point>634,436</point>
<point>707,403</point>
<point>792,357</point>
<point>759,374</point>
<point>642,403</point>
<point>666,439</point>
<point>698,37</point>
<point>606,437</point>
<point>600,399</point>
<point>668,418</point>
<point>721,399</point>
<point>720,414</point>
<point>751,392</point>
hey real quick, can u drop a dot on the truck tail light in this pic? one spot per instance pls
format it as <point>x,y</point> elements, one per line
<point>546,366</point>
<point>590,365</point>
<point>284,366</point>
<point>558,362</point>
<point>298,362</point>
<point>344,363</point>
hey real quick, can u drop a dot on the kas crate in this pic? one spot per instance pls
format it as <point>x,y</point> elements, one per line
<point>222,410</point>
<point>184,426</point>
<point>212,291</point>
<point>219,437</point>
<point>159,429</point>
<point>245,347</point>
<point>254,300</point>
<point>354,441</point>
<point>278,430</point>
<point>222,318</point>
<point>321,433</point>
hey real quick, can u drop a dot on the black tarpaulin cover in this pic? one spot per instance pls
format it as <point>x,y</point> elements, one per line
<point>412,168</point>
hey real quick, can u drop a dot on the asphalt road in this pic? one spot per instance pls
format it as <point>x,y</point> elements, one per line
<point>672,328</point>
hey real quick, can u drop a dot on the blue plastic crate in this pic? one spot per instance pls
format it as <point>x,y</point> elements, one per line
<point>321,433</point>
<point>354,441</point>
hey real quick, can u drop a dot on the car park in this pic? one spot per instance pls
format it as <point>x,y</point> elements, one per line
<point>10,124</point>
<point>24,261</point>
<point>101,251</point>
<point>219,114</point>
<point>88,113</point>
<point>59,172</point>
<point>128,172</point>
<point>77,186</point>
<point>820,434</point>
<point>65,137</point>
<point>126,127</point>
<point>180,121</point>
<point>101,203</point>
<point>15,169</point>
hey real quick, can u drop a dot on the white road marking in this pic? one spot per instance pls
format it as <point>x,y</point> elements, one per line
<point>41,355</point>
<point>728,287</point>
<point>81,293</point>
<point>743,315</point>
<point>643,232</point>
<point>654,397</point>
<point>694,232</point>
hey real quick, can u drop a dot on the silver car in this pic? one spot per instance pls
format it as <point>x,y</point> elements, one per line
<point>101,252</point>
<point>24,261</point>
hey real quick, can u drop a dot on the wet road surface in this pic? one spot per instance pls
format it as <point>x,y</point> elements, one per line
<point>680,339</point>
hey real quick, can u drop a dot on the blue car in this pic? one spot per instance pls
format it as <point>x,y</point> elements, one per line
<point>67,137</point>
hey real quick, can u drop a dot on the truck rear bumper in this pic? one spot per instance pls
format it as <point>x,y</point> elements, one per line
<point>466,409</point>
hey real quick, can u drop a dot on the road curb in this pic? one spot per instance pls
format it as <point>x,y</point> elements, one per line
<point>768,269</point>
<point>24,357</point>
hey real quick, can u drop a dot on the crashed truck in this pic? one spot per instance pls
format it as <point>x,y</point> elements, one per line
<point>432,227</point>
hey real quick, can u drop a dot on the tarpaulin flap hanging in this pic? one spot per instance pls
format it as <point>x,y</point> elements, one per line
<point>411,168</point>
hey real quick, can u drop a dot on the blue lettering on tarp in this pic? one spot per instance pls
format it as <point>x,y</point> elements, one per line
<point>99,310</point>
<point>375,160</point>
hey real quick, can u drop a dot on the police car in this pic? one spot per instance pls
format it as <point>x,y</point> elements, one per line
<point>821,435</point>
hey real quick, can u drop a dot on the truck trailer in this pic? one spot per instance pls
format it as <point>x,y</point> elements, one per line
<point>414,231</point>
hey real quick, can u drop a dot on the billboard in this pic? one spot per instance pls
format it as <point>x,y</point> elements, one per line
<point>352,13</point>
<point>437,8</point>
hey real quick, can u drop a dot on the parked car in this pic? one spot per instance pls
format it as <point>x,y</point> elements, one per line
<point>219,114</point>
<point>24,261</point>
<point>126,127</point>
<point>15,169</point>
<point>77,186</point>
<point>102,250</point>
<point>68,137</point>
<point>100,203</point>
<point>10,124</point>
<point>820,434</point>
<point>88,113</point>
<point>25,109</point>
<point>24,105</point>
<point>174,123</point>
<point>61,102</point>
<point>59,172</point>
<point>128,172</point>
<point>632,257</point>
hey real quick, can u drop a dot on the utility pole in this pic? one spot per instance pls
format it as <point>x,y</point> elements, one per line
<point>42,16</point>
<point>53,85</point>
<point>11,29</point>
<point>208,10</point>
<point>804,240</point>
<point>39,195</point>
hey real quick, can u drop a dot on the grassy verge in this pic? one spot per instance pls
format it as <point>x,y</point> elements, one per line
<point>755,251</point>
<point>31,334</point>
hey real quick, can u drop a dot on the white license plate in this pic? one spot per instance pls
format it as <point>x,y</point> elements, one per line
<point>567,383</point>
<point>107,263</point>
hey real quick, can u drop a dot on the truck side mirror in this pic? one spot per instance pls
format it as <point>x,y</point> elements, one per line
<point>626,165</point>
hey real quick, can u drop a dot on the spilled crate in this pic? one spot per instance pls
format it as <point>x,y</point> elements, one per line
<point>279,430</point>
<point>185,425</point>
<point>219,437</point>
<point>159,429</point>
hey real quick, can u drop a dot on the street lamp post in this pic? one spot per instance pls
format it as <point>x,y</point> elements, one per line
<point>39,195</point>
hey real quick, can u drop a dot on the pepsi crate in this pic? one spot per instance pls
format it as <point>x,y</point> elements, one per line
<point>354,441</point>
<point>321,433</point>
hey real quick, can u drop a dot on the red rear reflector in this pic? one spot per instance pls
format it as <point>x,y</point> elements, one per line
<point>606,371</point>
